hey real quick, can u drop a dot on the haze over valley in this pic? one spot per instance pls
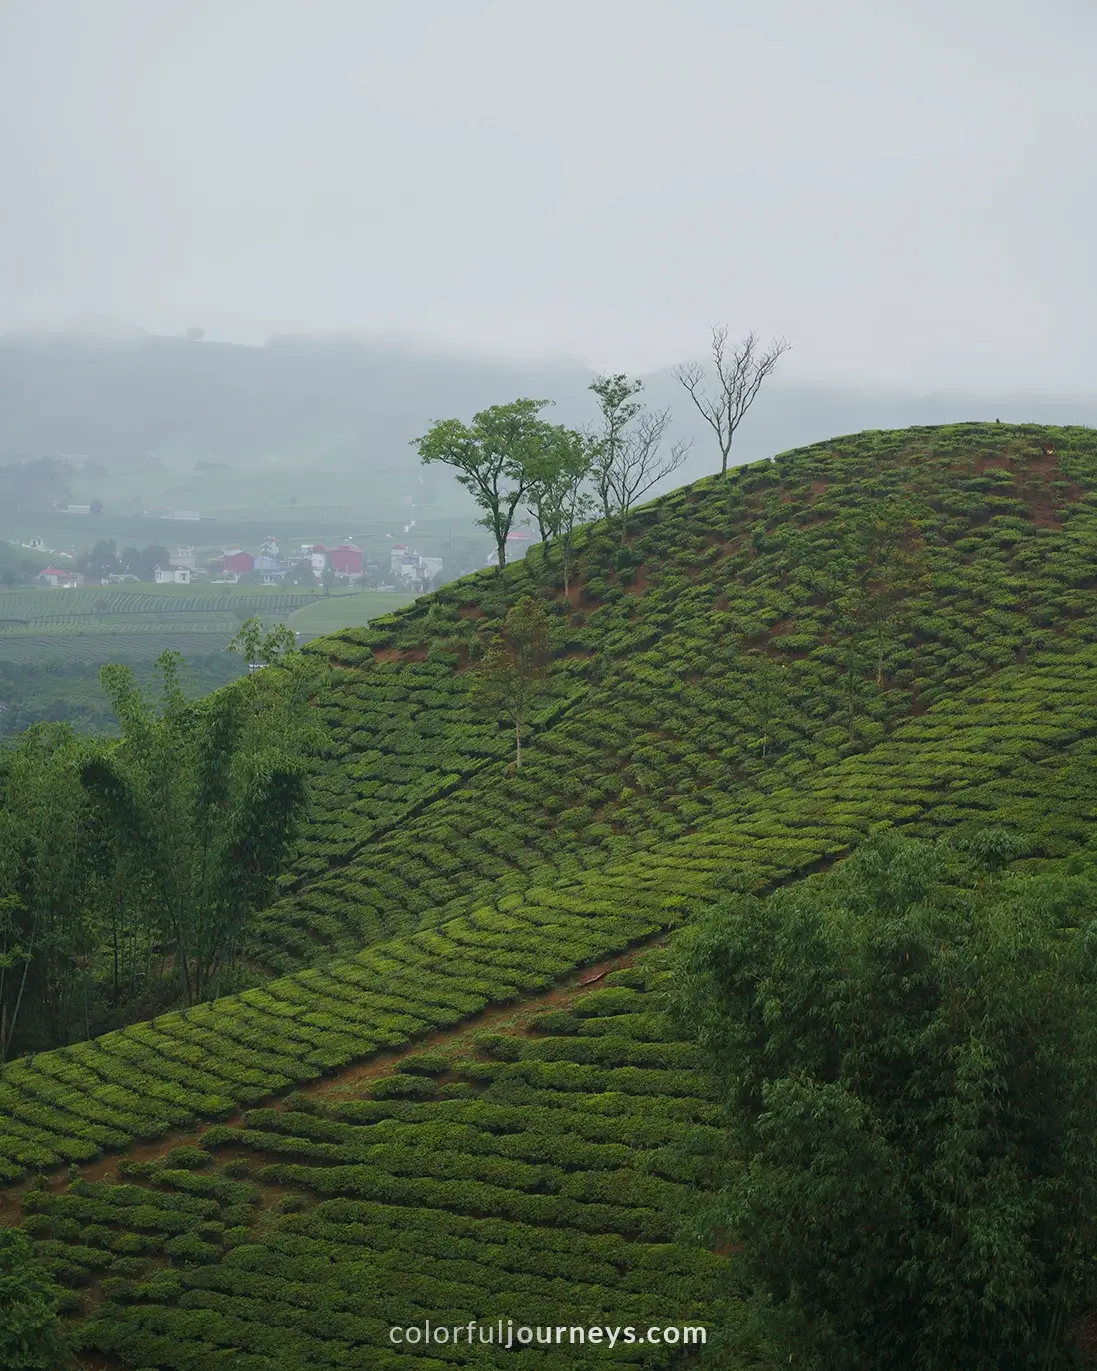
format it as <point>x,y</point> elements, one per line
<point>548,668</point>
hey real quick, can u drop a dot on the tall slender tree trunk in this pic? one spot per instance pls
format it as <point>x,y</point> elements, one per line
<point>18,1002</point>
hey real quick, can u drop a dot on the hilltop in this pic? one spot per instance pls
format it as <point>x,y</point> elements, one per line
<point>892,627</point>
<point>237,429</point>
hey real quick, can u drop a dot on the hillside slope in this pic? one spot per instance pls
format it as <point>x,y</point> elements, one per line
<point>710,726</point>
<point>657,724</point>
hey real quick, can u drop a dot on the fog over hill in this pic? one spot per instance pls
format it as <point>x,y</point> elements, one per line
<point>354,405</point>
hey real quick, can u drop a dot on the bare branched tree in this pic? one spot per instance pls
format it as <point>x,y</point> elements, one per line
<point>641,463</point>
<point>739,377</point>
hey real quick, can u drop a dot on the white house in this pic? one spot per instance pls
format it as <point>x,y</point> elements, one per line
<point>183,557</point>
<point>411,567</point>
<point>171,575</point>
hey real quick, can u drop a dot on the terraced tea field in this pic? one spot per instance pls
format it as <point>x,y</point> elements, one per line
<point>343,1149</point>
<point>528,1172</point>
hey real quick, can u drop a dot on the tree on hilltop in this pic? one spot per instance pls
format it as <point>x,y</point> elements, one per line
<point>512,675</point>
<point>615,395</point>
<point>558,498</point>
<point>630,458</point>
<point>740,375</point>
<point>493,458</point>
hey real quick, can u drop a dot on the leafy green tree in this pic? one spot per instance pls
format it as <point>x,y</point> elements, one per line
<point>493,458</point>
<point>204,800</point>
<point>512,675</point>
<point>557,494</point>
<point>618,408</point>
<point>142,563</point>
<point>102,560</point>
<point>630,458</point>
<point>47,886</point>
<point>30,1334</point>
<point>907,1051</point>
<point>260,647</point>
<point>327,580</point>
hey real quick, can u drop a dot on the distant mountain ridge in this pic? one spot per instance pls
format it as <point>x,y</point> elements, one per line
<point>342,403</point>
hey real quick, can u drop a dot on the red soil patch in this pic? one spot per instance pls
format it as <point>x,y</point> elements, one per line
<point>577,597</point>
<point>471,612</point>
<point>639,581</point>
<point>983,461</point>
<point>817,487</point>
<point>1033,476</point>
<point>401,654</point>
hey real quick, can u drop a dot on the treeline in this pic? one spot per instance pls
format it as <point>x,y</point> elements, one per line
<point>906,1049</point>
<point>129,868</point>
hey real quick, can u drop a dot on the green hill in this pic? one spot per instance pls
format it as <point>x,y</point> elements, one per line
<point>740,695</point>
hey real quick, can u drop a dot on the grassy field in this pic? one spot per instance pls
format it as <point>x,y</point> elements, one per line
<point>346,611</point>
<point>53,641</point>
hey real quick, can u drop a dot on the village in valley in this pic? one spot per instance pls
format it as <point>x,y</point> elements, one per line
<point>308,564</point>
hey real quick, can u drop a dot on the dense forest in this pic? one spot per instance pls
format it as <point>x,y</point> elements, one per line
<point>691,923</point>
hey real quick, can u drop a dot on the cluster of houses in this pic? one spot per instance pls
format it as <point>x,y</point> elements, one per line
<point>407,568</point>
<point>346,560</point>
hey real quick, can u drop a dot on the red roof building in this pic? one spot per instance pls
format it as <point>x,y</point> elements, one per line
<point>235,560</point>
<point>345,560</point>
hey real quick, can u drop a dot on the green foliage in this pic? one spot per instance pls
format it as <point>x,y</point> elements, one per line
<point>422,890</point>
<point>262,648</point>
<point>512,675</point>
<point>29,1331</point>
<point>47,882</point>
<point>199,803</point>
<point>451,1204</point>
<point>497,459</point>
<point>909,1059</point>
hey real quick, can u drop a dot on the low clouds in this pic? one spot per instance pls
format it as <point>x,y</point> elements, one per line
<point>904,191</point>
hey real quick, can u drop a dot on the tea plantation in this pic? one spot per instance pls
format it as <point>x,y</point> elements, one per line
<point>724,712</point>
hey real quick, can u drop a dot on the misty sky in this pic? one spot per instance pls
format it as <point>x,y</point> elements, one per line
<point>905,188</point>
